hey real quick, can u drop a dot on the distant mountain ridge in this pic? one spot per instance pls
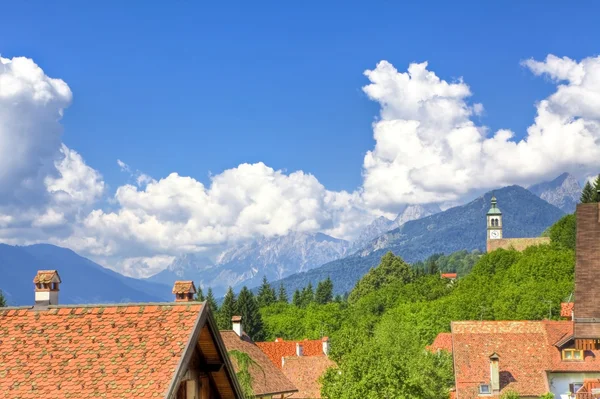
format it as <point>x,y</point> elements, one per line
<point>247,263</point>
<point>458,228</point>
<point>83,281</point>
<point>563,192</point>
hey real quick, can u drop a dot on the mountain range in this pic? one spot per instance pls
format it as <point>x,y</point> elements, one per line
<point>458,228</point>
<point>563,192</point>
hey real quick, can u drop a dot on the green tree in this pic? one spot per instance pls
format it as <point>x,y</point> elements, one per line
<point>392,268</point>
<point>297,298</point>
<point>282,297</point>
<point>227,311</point>
<point>324,293</point>
<point>247,307</point>
<point>211,301</point>
<point>587,194</point>
<point>563,233</point>
<point>596,197</point>
<point>307,296</point>
<point>2,300</point>
<point>510,394</point>
<point>200,295</point>
<point>266,294</point>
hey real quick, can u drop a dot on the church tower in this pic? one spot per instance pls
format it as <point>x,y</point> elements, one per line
<point>494,222</point>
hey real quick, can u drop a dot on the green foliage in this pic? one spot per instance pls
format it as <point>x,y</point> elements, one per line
<point>587,194</point>
<point>307,296</point>
<point>548,395</point>
<point>596,196</point>
<point>392,268</point>
<point>510,395</point>
<point>227,310</point>
<point>266,293</point>
<point>247,307</point>
<point>211,301</point>
<point>200,295</point>
<point>460,262</point>
<point>324,293</point>
<point>2,300</point>
<point>563,233</point>
<point>282,297</point>
<point>244,361</point>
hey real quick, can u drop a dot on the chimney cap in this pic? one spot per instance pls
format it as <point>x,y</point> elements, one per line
<point>494,356</point>
<point>46,277</point>
<point>236,319</point>
<point>184,287</point>
<point>325,339</point>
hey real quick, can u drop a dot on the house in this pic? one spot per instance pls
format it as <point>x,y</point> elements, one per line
<point>267,380</point>
<point>451,277</point>
<point>164,350</point>
<point>302,362</point>
<point>536,357</point>
<point>495,239</point>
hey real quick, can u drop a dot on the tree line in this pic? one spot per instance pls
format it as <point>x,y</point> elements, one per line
<point>591,192</point>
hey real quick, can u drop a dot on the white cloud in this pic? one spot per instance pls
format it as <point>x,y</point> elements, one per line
<point>428,149</point>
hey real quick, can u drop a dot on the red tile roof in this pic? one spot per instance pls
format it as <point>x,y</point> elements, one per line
<point>46,276</point>
<point>566,309</point>
<point>113,351</point>
<point>304,372</point>
<point>184,287</point>
<point>266,378</point>
<point>526,349</point>
<point>442,342</point>
<point>449,275</point>
<point>276,350</point>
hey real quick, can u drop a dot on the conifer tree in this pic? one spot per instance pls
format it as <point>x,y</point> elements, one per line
<point>2,300</point>
<point>283,297</point>
<point>596,197</point>
<point>307,296</point>
<point>212,302</point>
<point>227,311</point>
<point>324,293</point>
<point>297,298</point>
<point>199,294</point>
<point>266,294</point>
<point>338,298</point>
<point>587,194</point>
<point>247,307</point>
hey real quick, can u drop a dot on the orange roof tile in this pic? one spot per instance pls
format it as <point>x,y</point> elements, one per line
<point>449,275</point>
<point>184,287</point>
<point>304,372</point>
<point>443,341</point>
<point>113,351</point>
<point>266,378</point>
<point>526,349</point>
<point>276,350</point>
<point>566,308</point>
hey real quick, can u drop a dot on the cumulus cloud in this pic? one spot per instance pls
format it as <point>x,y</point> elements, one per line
<point>429,149</point>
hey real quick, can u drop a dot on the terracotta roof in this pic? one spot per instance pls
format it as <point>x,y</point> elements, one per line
<point>46,276</point>
<point>526,349</point>
<point>113,351</point>
<point>184,287</point>
<point>442,342</point>
<point>448,275</point>
<point>266,378</point>
<point>276,350</point>
<point>566,309</point>
<point>304,372</point>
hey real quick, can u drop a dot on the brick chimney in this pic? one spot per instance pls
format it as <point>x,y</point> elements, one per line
<point>586,312</point>
<point>46,287</point>
<point>326,346</point>
<point>236,321</point>
<point>299,349</point>
<point>184,291</point>
<point>495,373</point>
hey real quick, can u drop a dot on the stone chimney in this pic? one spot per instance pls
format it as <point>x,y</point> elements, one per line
<point>586,312</point>
<point>326,346</point>
<point>495,373</point>
<point>237,325</point>
<point>184,291</point>
<point>46,287</point>
<point>299,349</point>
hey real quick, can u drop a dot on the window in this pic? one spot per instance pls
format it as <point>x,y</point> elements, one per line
<point>572,354</point>
<point>573,388</point>
<point>484,388</point>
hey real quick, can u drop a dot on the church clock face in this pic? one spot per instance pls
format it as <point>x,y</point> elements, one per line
<point>494,234</point>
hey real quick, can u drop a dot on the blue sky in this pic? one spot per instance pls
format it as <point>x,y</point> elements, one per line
<point>199,87</point>
<point>279,117</point>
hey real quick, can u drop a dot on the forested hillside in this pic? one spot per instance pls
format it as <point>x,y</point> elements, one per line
<point>379,332</point>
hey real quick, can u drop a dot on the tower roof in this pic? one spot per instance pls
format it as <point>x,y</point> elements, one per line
<point>494,210</point>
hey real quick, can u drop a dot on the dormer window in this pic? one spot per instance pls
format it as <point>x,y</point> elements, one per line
<point>572,354</point>
<point>484,389</point>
